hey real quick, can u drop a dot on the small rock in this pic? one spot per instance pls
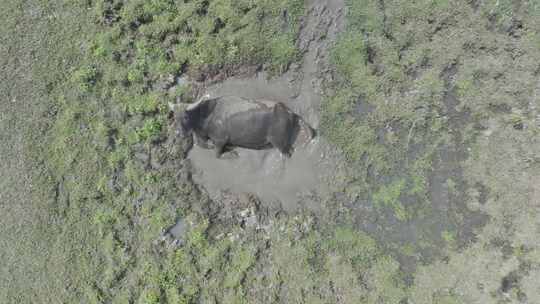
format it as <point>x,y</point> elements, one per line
<point>244,212</point>
<point>251,221</point>
<point>177,231</point>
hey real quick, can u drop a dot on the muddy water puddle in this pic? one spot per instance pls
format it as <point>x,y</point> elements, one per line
<point>265,173</point>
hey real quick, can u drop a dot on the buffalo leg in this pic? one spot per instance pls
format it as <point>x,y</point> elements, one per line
<point>229,152</point>
<point>219,148</point>
<point>202,142</point>
<point>280,145</point>
<point>285,151</point>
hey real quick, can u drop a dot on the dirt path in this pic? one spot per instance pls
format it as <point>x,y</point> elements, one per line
<point>263,172</point>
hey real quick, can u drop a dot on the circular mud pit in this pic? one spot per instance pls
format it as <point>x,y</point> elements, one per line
<point>266,173</point>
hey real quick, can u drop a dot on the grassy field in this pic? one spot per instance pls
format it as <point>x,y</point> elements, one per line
<point>434,106</point>
<point>38,47</point>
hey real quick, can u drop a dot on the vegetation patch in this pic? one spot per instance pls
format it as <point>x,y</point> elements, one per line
<point>415,84</point>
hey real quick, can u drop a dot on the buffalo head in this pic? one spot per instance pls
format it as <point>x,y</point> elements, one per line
<point>194,115</point>
<point>186,122</point>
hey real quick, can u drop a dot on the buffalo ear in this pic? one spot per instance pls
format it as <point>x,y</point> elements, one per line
<point>185,123</point>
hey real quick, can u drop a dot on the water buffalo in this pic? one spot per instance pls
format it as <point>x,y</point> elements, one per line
<point>230,121</point>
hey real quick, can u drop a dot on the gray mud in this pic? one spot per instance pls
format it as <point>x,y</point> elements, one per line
<point>264,173</point>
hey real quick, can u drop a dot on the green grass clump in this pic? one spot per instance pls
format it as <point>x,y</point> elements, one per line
<point>389,196</point>
<point>205,35</point>
<point>86,77</point>
<point>150,130</point>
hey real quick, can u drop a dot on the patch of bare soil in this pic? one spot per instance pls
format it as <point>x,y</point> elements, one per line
<point>291,182</point>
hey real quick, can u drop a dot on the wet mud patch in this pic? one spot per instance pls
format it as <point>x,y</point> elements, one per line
<point>448,195</point>
<point>440,224</point>
<point>424,226</point>
<point>447,184</point>
<point>449,221</point>
<point>246,211</point>
<point>262,172</point>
